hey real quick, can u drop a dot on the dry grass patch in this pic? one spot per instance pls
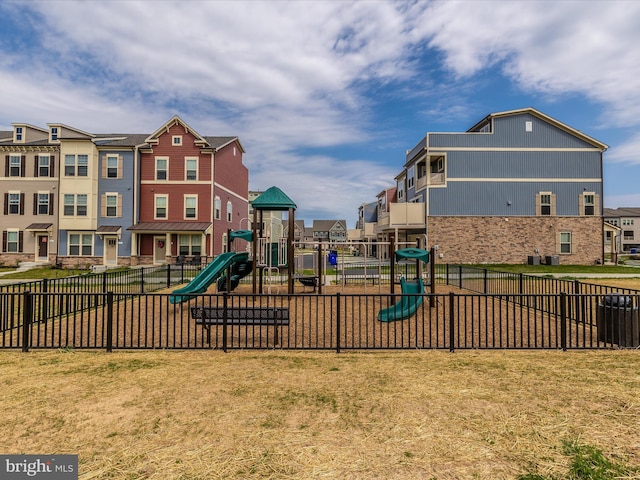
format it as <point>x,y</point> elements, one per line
<point>208,415</point>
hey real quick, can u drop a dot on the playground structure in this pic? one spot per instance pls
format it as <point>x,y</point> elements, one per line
<point>268,257</point>
<point>412,291</point>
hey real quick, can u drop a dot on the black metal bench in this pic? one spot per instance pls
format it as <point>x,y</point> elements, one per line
<point>308,281</point>
<point>260,316</point>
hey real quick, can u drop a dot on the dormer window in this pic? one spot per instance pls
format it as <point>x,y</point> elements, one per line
<point>19,134</point>
<point>176,140</point>
<point>54,134</point>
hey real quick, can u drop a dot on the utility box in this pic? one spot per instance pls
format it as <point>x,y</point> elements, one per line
<point>552,260</point>
<point>534,260</point>
<point>617,321</point>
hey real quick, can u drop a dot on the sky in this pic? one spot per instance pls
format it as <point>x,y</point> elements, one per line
<point>327,96</point>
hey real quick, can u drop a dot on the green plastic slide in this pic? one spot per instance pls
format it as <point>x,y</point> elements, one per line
<point>409,302</point>
<point>207,276</point>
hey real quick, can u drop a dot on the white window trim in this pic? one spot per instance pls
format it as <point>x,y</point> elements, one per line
<point>185,197</point>
<point>106,204</point>
<point>560,243</point>
<point>197,160</point>
<point>217,208</point>
<point>112,157</point>
<point>80,234</point>
<point>155,167</point>
<point>48,195</point>
<point>155,206</point>
<point>17,242</point>
<point>9,194</point>
<point>179,140</point>
<point>229,211</point>
<point>190,243</point>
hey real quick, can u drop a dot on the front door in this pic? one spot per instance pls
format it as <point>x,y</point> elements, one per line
<point>159,249</point>
<point>43,247</point>
<point>111,250</point>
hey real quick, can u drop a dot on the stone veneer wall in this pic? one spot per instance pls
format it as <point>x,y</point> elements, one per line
<point>514,239</point>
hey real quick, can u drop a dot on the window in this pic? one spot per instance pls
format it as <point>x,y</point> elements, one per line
<point>400,189</point>
<point>217,208</point>
<point>18,134</point>
<point>546,204</point>
<point>43,203</point>
<point>628,234</point>
<point>528,126</point>
<point>161,206</point>
<point>191,169</point>
<point>83,165</point>
<point>14,203</point>
<point>15,165</point>
<point>112,166</point>
<point>410,177</point>
<point>565,242</point>
<point>43,162</point>
<point>111,205</point>
<point>76,165</point>
<point>626,222</point>
<point>229,211</point>
<point>75,205</point>
<point>54,134</point>
<point>176,140</point>
<point>161,168</point>
<point>190,206</point>
<point>13,243</point>
<point>81,244</point>
<point>189,244</point>
<point>589,204</point>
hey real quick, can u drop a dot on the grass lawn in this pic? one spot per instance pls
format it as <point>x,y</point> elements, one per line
<point>306,415</point>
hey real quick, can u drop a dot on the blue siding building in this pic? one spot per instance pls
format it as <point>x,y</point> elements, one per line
<point>517,184</point>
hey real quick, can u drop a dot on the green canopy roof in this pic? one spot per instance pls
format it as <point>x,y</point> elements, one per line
<point>273,199</point>
<point>415,253</point>
<point>243,234</point>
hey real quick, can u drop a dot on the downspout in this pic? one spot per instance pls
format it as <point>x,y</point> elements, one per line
<point>136,213</point>
<point>212,206</point>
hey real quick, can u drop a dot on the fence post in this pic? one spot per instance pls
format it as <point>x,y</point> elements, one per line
<point>447,274</point>
<point>168,275</point>
<point>104,282</point>
<point>27,311</point>
<point>338,323</point>
<point>563,321</point>
<point>460,276</point>
<point>109,322</point>
<point>44,304</point>
<point>579,301</point>
<point>520,282</point>
<point>142,280</point>
<point>485,281</point>
<point>225,313</point>
<point>452,322</point>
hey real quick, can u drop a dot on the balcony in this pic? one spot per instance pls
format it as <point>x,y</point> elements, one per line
<point>402,216</point>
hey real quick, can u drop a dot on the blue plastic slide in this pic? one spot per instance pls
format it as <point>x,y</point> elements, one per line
<point>207,276</point>
<point>409,302</point>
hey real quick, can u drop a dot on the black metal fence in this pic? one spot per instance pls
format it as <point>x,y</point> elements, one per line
<point>117,310</point>
<point>317,322</point>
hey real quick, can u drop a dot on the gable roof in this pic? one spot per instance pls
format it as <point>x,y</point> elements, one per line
<point>175,120</point>
<point>273,199</point>
<point>546,118</point>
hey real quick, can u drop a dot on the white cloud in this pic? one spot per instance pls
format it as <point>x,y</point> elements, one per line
<point>289,76</point>
<point>627,152</point>
<point>549,47</point>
